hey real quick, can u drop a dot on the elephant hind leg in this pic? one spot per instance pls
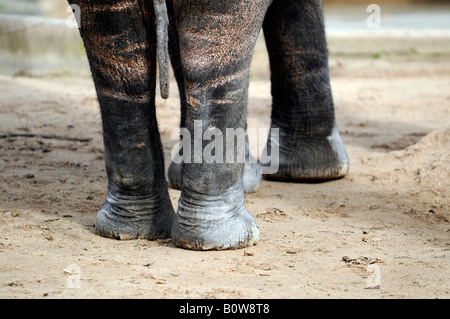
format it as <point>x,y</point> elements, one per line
<point>217,39</point>
<point>119,38</point>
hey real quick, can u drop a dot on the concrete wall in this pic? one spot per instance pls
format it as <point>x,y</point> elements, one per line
<point>58,8</point>
<point>384,1</point>
<point>37,46</point>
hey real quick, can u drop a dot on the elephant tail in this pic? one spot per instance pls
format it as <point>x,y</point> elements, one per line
<point>162,24</point>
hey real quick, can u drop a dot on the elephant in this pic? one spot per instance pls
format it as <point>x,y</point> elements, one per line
<point>210,44</point>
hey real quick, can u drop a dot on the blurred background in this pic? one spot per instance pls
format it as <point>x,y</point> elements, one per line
<point>403,11</point>
<point>35,38</point>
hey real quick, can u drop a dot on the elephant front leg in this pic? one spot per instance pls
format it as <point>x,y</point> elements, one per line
<point>310,147</point>
<point>216,44</point>
<point>119,38</point>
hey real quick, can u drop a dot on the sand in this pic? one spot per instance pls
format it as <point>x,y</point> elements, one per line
<point>381,232</point>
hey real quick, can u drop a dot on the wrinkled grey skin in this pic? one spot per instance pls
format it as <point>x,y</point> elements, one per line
<point>211,45</point>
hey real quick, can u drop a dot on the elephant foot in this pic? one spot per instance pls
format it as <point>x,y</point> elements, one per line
<point>214,222</point>
<point>251,177</point>
<point>311,159</point>
<point>132,216</point>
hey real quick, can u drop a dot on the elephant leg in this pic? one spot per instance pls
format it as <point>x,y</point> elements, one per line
<point>216,40</point>
<point>252,170</point>
<point>120,41</point>
<point>310,147</point>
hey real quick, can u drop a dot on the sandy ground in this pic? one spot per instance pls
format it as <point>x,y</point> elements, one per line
<point>386,223</point>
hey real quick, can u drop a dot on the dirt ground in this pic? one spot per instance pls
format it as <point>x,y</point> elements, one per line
<point>387,223</point>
